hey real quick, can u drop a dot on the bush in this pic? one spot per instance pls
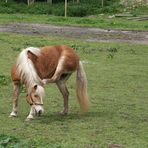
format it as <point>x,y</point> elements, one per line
<point>84,8</point>
<point>77,11</point>
<point>111,9</point>
<point>40,8</point>
<point>59,11</point>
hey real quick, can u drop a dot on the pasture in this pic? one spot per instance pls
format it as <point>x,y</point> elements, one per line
<point>99,21</point>
<point>118,89</point>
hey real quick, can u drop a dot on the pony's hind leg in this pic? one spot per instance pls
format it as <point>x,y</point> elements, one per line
<point>16,92</point>
<point>64,91</point>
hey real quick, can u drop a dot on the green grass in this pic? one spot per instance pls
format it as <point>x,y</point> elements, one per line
<point>100,21</point>
<point>117,84</point>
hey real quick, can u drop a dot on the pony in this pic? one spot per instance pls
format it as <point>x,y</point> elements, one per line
<point>35,67</point>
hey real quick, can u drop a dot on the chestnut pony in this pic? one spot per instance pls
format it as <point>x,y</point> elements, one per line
<point>35,67</point>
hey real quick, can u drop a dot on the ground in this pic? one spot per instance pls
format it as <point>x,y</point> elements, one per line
<point>83,33</point>
<point>115,62</point>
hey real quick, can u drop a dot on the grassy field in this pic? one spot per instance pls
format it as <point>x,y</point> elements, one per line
<point>99,21</point>
<point>117,84</point>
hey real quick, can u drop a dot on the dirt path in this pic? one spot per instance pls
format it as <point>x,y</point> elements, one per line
<point>83,33</point>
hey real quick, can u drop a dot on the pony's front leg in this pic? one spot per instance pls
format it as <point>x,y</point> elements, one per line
<point>31,114</point>
<point>16,92</point>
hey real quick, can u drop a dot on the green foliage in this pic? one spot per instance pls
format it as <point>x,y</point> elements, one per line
<point>8,141</point>
<point>78,11</point>
<point>115,8</point>
<point>112,52</point>
<point>140,10</point>
<point>4,80</point>
<point>84,8</point>
<point>58,10</point>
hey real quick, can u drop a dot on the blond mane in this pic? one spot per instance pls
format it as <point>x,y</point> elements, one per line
<point>26,69</point>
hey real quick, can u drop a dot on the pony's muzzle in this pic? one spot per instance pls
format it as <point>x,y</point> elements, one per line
<point>38,109</point>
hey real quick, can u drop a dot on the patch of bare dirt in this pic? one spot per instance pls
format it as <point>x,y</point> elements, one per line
<point>82,33</point>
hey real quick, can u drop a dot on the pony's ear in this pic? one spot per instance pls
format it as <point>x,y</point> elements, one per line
<point>31,55</point>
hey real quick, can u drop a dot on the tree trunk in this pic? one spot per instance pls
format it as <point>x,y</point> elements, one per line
<point>78,1</point>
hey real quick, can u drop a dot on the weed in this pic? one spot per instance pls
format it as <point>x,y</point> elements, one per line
<point>8,141</point>
<point>76,47</point>
<point>110,55</point>
<point>132,51</point>
<point>16,48</point>
<point>4,80</point>
<point>146,26</point>
<point>112,50</point>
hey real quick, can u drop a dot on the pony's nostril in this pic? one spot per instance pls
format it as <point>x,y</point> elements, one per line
<point>39,112</point>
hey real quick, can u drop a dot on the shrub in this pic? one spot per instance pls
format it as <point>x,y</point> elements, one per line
<point>78,11</point>
<point>84,8</point>
<point>58,10</point>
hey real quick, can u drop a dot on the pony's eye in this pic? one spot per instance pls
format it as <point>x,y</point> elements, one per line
<point>36,96</point>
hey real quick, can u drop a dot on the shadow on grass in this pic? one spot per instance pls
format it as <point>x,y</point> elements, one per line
<point>55,117</point>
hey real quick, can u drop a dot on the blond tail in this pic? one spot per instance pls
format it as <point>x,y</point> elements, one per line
<point>82,88</point>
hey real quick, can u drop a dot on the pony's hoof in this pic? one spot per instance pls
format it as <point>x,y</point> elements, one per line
<point>28,119</point>
<point>12,115</point>
<point>63,113</point>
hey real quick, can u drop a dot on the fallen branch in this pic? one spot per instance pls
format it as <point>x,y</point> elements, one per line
<point>138,18</point>
<point>123,15</point>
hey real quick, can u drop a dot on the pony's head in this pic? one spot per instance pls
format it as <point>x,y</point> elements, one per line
<point>35,99</point>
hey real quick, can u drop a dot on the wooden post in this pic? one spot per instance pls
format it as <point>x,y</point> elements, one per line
<point>65,8</point>
<point>30,2</point>
<point>102,3</point>
<point>49,1</point>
